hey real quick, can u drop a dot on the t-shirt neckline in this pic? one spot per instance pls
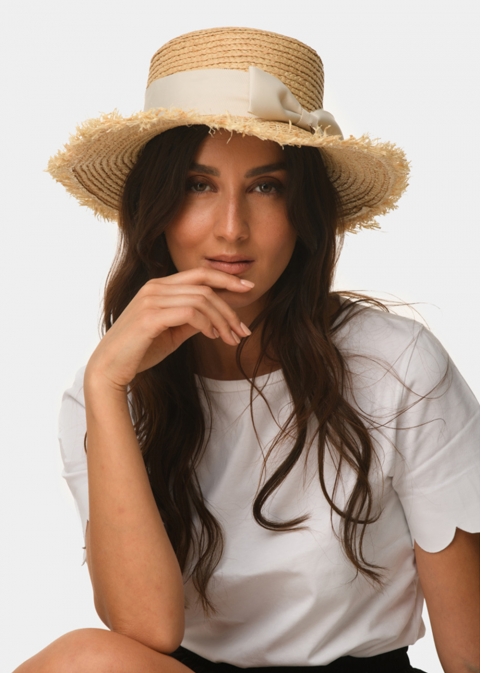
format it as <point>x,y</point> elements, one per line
<point>238,385</point>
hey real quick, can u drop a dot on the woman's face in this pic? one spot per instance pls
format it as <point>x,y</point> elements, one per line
<point>234,217</point>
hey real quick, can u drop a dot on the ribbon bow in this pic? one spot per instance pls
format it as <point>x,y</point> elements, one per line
<point>270,99</point>
<point>215,91</point>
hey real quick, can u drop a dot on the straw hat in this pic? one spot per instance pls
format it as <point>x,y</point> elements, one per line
<point>249,81</point>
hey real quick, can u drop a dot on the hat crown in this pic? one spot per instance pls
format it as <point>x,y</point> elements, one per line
<point>298,66</point>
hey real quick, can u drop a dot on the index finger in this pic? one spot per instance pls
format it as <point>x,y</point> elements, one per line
<point>211,277</point>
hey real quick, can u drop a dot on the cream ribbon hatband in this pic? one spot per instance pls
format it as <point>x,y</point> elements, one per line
<point>255,93</point>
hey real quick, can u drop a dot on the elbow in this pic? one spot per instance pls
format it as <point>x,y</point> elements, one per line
<point>101,612</point>
<point>167,642</point>
<point>162,635</point>
<point>164,638</point>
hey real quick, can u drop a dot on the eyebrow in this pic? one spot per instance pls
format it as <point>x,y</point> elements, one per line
<point>268,168</point>
<point>254,172</point>
<point>202,168</point>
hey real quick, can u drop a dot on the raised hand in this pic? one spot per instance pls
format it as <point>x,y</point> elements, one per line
<point>163,314</point>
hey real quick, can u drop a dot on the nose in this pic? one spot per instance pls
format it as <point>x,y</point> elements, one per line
<point>232,219</point>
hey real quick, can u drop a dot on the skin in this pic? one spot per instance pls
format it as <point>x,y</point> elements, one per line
<point>234,207</point>
<point>450,583</point>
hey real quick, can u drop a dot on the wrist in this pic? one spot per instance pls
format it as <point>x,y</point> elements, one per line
<point>98,385</point>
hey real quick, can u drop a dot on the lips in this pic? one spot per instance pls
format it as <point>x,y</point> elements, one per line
<point>233,264</point>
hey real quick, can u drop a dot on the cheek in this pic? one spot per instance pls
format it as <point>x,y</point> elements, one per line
<point>183,238</point>
<point>277,233</point>
<point>281,244</point>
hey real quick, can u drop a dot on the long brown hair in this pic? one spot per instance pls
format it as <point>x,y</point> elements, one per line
<point>297,326</point>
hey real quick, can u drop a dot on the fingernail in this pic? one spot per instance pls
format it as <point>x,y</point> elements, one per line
<point>245,329</point>
<point>236,338</point>
<point>247,283</point>
<point>216,333</point>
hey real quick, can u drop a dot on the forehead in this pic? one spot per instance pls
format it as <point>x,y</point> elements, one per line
<point>223,146</point>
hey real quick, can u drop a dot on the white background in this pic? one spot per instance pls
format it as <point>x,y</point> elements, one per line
<point>402,70</point>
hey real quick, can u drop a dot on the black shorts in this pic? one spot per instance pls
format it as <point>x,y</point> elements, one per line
<point>396,661</point>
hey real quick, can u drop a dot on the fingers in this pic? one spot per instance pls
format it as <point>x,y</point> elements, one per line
<point>163,314</point>
<point>197,306</point>
<point>189,288</point>
<point>198,295</point>
<point>204,276</point>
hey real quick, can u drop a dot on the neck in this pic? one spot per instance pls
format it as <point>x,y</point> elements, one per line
<point>217,360</point>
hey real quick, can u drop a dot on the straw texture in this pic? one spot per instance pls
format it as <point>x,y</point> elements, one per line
<point>369,176</point>
<point>293,62</point>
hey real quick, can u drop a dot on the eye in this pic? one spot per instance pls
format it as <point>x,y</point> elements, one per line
<point>198,186</point>
<point>268,188</point>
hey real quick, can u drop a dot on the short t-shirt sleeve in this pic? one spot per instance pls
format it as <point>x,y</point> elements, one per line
<point>72,428</point>
<point>436,465</point>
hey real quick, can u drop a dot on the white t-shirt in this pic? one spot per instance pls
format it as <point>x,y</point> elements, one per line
<point>292,598</point>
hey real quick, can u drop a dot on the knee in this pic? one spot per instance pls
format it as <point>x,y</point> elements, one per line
<point>76,652</point>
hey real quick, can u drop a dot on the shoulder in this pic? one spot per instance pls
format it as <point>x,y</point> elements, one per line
<point>364,329</point>
<point>394,360</point>
<point>371,338</point>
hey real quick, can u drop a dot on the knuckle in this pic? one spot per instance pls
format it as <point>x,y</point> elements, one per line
<point>151,286</point>
<point>146,287</point>
<point>231,315</point>
<point>145,291</point>
<point>190,312</point>
<point>207,291</point>
<point>201,300</point>
<point>146,302</point>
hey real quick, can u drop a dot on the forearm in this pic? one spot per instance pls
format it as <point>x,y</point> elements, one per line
<point>136,578</point>
<point>450,582</point>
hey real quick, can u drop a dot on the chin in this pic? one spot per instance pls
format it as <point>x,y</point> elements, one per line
<point>237,300</point>
<point>253,305</point>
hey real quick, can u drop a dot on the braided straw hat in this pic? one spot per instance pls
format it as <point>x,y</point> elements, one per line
<point>248,81</point>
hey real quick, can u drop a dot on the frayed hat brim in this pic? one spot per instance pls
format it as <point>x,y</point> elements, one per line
<point>369,175</point>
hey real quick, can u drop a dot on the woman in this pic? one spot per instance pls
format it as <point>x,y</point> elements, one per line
<point>273,475</point>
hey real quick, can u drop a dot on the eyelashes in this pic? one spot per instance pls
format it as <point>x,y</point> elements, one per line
<point>273,187</point>
<point>264,187</point>
<point>194,185</point>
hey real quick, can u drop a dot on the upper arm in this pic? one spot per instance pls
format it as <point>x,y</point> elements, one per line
<point>99,607</point>
<point>450,583</point>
